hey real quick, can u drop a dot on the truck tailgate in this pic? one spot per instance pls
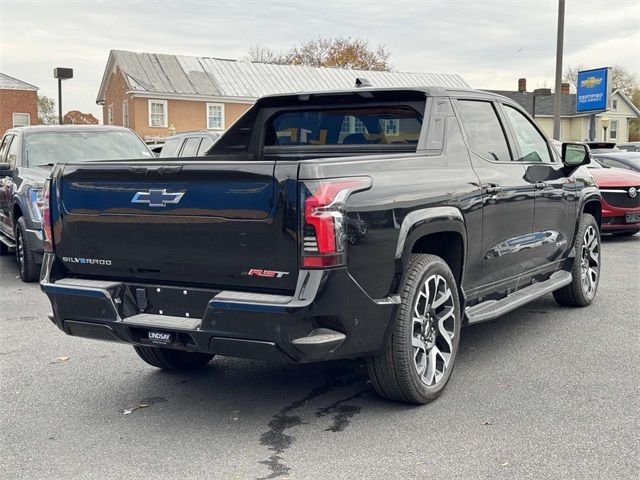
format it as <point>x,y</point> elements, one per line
<point>217,224</point>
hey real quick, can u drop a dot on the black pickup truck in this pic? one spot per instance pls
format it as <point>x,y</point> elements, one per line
<point>462,211</point>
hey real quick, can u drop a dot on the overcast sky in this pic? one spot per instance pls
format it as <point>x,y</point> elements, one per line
<point>491,43</point>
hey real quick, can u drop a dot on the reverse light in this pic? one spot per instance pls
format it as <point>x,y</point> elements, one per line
<point>324,221</point>
<point>46,217</point>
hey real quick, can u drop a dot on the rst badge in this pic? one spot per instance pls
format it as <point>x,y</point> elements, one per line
<point>257,272</point>
<point>157,198</point>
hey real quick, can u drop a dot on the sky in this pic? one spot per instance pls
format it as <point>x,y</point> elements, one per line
<point>491,43</point>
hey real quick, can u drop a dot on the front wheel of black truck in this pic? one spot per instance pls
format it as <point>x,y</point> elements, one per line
<point>418,359</point>
<point>586,266</point>
<point>175,360</point>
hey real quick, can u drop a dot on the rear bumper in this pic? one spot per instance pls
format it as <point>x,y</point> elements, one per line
<point>328,317</point>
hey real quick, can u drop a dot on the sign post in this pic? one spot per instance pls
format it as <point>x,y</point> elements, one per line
<point>61,74</point>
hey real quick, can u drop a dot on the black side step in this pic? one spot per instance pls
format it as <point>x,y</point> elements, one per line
<point>495,308</point>
<point>7,241</point>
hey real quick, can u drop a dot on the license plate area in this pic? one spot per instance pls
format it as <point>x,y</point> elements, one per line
<point>160,338</point>
<point>632,217</point>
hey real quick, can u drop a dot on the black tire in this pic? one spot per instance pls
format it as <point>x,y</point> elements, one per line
<point>629,233</point>
<point>175,360</point>
<point>395,373</point>
<point>27,266</point>
<point>582,289</point>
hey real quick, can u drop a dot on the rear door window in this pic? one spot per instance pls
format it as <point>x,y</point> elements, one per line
<point>381,125</point>
<point>170,147</point>
<point>483,129</point>
<point>190,148</point>
<point>533,147</point>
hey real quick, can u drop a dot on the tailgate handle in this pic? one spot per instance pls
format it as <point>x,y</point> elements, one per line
<point>159,170</point>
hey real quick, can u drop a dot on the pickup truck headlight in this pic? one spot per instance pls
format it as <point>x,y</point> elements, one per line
<point>36,203</point>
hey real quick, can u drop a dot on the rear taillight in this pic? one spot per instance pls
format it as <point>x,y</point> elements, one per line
<point>46,217</point>
<point>324,221</point>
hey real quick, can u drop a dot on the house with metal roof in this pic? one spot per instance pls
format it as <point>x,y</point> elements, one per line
<point>18,103</point>
<point>158,94</point>
<point>575,126</point>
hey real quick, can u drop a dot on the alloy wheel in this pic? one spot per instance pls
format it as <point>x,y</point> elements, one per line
<point>434,323</point>
<point>20,250</point>
<point>590,261</point>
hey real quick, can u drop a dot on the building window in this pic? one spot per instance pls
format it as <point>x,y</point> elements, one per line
<point>125,113</point>
<point>110,114</point>
<point>614,104</point>
<point>391,127</point>
<point>21,119</point>
<point>158,113</point>
<point>215,116</point>
<point>613,130</point>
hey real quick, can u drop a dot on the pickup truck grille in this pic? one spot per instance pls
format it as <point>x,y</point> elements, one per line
<point>620,198</point>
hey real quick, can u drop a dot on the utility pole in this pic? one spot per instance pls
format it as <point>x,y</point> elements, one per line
<point>559,49</point>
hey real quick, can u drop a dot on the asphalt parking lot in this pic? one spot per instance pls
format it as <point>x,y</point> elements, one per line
<point>545,392</point>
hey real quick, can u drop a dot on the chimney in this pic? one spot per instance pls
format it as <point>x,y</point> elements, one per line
<point>566,90</point>
<point>522,85</point>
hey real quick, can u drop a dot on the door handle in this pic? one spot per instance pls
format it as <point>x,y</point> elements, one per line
<point>492,189</point>
<point>540,185</point>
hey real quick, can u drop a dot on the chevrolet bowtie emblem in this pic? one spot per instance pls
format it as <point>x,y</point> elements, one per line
<point>591,82</point>
<point>157,198</point>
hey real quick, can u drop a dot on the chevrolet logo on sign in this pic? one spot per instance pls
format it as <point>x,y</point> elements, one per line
<point>591,82</point>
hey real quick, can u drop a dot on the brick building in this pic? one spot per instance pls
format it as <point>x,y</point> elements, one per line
<point>18,103</point>
<point>150,92</point>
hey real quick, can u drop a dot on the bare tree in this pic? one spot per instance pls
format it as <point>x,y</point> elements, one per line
<point>341,52</point>
<point>262,54</point>
<point>621,78</point>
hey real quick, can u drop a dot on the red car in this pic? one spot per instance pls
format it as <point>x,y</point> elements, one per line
<point>621,199</point>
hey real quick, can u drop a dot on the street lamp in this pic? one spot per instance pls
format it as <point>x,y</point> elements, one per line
<point>604,121</point>
<point>61,74</point>
<point>539,92</point>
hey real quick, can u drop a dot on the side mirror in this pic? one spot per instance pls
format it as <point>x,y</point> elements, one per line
<point>575,154</point>
<point>5,170</point>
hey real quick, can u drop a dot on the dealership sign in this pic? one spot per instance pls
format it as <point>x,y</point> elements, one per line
<point>593,90</point>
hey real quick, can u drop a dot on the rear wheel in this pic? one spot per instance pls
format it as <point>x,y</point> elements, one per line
<point>29,269</point>
<point>419,356</point>
<point>176,360</point>
<point>586,266</point>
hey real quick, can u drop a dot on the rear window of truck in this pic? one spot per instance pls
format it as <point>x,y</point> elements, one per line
<point>344,126</point>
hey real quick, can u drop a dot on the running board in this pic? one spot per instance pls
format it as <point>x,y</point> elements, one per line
<point>495,308</point>
<point>7,241</point>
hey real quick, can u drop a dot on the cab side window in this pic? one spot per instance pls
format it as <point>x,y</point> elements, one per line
<point>170,148</point>
<point>483,130</point>
<point>533,146</point>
